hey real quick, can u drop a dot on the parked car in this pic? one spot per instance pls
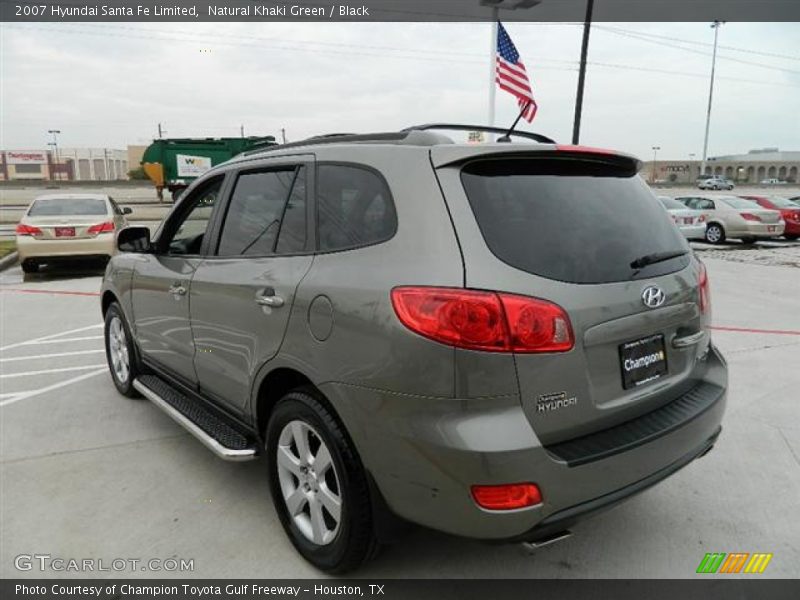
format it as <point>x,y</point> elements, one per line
<point>734,217</point>
<point>57,227</point>
<point>790,212</point>
<point>715,183</point>
<point>405,331</point>
<point>772,181</point>
<point>690,222</point>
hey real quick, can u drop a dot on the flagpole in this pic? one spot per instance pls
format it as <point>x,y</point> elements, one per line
<point>492,69</point>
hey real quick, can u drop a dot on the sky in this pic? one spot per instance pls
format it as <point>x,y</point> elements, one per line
<point>109,85</point>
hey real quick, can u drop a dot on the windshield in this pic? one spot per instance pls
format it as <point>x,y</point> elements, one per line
<point>570,220</point>
<point>57,207</point>
<point>671,203</point>
<point>739,202</point>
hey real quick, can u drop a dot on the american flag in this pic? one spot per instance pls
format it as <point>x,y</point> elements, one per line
<point>510,74</point>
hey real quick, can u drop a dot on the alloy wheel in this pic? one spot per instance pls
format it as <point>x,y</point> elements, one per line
<point>309,482</point>
<point>118,349</point>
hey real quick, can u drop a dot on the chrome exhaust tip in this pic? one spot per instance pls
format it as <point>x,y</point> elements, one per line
<point>546,541</point>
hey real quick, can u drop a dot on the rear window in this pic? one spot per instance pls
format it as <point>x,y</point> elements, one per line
<point>671,203</point>
<point>570,220</point>
<point>739,202</point>
<point>56,207</point>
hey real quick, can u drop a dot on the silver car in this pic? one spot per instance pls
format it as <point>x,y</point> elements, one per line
<point>734,217</point>
<point>690,222</point>
<point>399,325</point>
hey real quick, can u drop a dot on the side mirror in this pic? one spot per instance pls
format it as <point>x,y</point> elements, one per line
<point>134,239</point>
<point>126,210</point>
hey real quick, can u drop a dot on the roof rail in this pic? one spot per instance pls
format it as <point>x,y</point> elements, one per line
<point>409,136</point>
<point>462,127</point>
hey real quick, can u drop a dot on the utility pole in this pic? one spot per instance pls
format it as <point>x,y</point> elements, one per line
<point>715,26</point>
<point>493,69</point>
<point>161,132</point>
<point>283,135</point>
<point>587,26</point>
<point>241,130</point>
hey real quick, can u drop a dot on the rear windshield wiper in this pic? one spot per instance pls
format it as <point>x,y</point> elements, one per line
<point>656,257</point>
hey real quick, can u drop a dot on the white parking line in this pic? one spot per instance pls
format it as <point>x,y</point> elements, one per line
<point>55,386</point>
<point>46,371</point>
<point>58,341</point>
<point>56,354</point>
<point>50,337</point>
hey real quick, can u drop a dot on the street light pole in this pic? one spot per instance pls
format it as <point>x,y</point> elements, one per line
<point>587,25</point>
<point>655,152</point>
<point>54,133</point>
<point>715,26</point>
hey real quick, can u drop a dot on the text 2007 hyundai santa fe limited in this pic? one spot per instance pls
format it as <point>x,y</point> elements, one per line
<point>490,340</point>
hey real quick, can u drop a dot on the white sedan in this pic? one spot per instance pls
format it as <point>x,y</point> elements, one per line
<point>692,223</point>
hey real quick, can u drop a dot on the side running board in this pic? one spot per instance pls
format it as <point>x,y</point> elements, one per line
<point>218,436</point>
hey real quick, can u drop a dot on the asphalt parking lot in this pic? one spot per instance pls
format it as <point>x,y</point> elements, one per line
<point>87,473</point>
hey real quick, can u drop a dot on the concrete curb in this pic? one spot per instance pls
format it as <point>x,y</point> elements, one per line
<point>9,261</point>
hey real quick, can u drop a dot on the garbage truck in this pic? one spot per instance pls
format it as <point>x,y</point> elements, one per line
<point>173,164</point>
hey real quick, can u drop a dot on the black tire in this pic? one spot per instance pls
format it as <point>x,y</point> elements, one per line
<point>354,542</point>
<point>717,238</point>
<point>748,240</point>
<point>29,266</point>
<point>791,237</point>
<point>124,385</point>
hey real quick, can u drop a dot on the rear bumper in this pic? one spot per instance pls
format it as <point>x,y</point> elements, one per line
<point>30,247</point>
<point>565,518</point>
<point>425,454</point>
<point>757,230</point>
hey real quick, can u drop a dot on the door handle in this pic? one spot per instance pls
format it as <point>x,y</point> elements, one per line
<point>689,340</point>
<point>273,301</point>
<point>177,290</point>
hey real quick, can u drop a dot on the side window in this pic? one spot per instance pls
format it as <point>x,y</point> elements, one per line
<point>193,223</point>
<point>707,204</point>
<point>266,214</point>
<point>354,208</point>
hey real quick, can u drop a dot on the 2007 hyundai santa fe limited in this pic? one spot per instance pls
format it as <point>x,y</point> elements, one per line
<point>492,340</point>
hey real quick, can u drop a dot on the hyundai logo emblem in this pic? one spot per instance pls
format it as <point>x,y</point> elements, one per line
<point>653,296</point>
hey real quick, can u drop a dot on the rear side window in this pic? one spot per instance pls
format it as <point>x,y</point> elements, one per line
<point>354,208</point>
<point>56,207</point>
<point>266,214</point>
<point>571,220</point>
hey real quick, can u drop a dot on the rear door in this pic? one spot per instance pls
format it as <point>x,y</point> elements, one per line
<point>242,294</point>
<point>568,227</point>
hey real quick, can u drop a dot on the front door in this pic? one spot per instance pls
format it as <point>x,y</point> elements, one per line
<point>162,280</point>
<point>242,294</point>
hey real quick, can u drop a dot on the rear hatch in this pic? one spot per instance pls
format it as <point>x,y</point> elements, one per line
<point>571,227</point>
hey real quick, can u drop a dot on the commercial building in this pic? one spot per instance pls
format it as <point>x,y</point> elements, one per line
<point>66,164</point>
<point>753,167</point>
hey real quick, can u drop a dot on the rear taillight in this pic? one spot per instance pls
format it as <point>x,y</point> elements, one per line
<point>22,229</point>
<point>703,290</point>
<point>750,217</point>
<point>478,320</point>
<point>506,497</point>
<point>701,219</point>
<point>107,227</point>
